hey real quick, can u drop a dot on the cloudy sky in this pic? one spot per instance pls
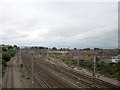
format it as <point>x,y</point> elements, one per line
<point>60,24</point>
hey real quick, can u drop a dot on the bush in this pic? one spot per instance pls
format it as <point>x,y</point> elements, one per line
<point>11,52</point>
<point>6,56</point>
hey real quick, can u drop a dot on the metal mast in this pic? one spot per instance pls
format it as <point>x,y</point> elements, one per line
<point>32,67</point>
<point>94,71</point>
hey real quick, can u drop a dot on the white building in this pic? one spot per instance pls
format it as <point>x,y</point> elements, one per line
<point>115,59</point>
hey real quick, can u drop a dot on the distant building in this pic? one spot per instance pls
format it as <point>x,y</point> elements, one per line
<point>115,59</point>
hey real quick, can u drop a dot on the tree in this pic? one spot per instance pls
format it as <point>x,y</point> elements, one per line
<point>87,49</point>
<point>61,49</point>
<point>54,48</point>
<point>6,56</point>
<point>12,53</point>
<point>75,48</point>
<point>10,47</point>
<point>41,47</point>
<point>15,46</point>
<point>46,47</point>
<point>96,48</point>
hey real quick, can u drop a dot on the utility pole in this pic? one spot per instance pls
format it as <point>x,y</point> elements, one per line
<point>43,53</point>
<point>32,71</point>
<point>20,59</point>
<point>78,62</point>
<point>17,54</point>
<point>26,50</point>
<point>47,53</point>
<point>32,68</point>
<point>94,71</point>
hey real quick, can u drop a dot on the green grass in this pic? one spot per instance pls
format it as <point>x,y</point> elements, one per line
<point>68,63</point>
<point>107,69</point>
<point>0,55</point>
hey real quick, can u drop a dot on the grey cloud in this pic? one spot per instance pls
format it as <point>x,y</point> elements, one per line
<point>60,24</point>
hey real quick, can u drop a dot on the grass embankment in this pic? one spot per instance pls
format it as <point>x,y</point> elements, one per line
<point>107,69</point>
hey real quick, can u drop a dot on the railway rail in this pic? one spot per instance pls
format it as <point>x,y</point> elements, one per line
<point>66,74</point>
<point>55,77</point>
<point>83,78</point>
<point>49,79</point>
<point>86,77</point>
<point>38,80</point>
<point>55,69</point>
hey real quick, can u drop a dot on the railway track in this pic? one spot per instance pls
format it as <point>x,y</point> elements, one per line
<point>51,80</point>
<point>83,82</point>
<point>97,81</point>
<point>45,84</point>
<point>12,76</point>
<point>9,77</point>
<point>61,83</point>
<point>55,78</point>
<point>48,78</point>
<point>83,78</point>
<point>38,80</point>
<point>47,66</point>
<point>88,78</point>
<point>6,79</point>
<point>66,74</point>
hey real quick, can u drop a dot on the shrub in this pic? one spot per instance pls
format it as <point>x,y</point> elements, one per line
<point>6,56</point>
<point>11,52</point>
